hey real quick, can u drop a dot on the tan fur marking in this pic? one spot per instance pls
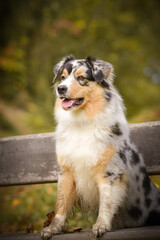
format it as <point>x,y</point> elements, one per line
<point>100,167</point>
<point>94,101</point>
<point>66,192</point>
<point>80,71</point>
<point>65,73</point>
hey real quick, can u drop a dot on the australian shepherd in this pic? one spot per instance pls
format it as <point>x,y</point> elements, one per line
<point>101,170</point>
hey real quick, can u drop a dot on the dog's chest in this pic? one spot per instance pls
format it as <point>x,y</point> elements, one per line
<point>80,146</point>
<point>86,188</point>
<point>80,149</point>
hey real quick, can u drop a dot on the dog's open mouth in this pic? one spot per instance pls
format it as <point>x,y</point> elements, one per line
<point>68,103</point>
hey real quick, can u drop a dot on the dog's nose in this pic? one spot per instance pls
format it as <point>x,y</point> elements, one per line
<point>62,89</point>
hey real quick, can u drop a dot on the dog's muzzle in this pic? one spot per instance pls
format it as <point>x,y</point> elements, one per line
<point>62,90</point>
<point>67,103</point>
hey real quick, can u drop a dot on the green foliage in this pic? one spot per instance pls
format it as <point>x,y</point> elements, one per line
<point>6,124</point>
<point>26,204</point>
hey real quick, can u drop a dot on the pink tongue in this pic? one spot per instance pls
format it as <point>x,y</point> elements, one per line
<point>67,103</point>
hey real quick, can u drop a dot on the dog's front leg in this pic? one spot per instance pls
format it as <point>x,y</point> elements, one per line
<point>103,223</point>
<point>112,191</point>
<point>65,201</point>
<point>111,197</point>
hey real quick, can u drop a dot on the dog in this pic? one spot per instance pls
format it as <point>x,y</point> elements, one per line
<point>101,170</point>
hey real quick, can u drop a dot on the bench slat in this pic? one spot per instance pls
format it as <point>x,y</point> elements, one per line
<point>31,159</point>
<point>147,233</point>
<point>28,159</point>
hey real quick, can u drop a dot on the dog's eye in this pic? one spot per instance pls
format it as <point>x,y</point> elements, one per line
<point>63,77</point>
<point>80,78</point>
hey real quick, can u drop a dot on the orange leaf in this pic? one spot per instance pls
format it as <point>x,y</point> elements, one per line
<point>50,217</point>
<point>30,228</point>
<point>72,229</point>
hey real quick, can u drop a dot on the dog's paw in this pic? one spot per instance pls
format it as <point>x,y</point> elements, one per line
<point>99,229</point>
<point>47,232</point>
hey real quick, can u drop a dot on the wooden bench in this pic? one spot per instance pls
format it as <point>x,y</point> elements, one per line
<point>31,159</point>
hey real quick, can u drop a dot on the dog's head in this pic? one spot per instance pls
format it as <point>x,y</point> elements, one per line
<point>81,81</point>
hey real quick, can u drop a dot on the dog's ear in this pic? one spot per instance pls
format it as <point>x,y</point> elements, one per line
<point>102,71</point>
<point>58,68</point>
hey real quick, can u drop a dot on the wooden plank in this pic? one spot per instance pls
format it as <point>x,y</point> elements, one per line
<point>147,233</point>
<point>153,170</point>
<point>31,158</point>
<point>147,138</point>
<point>28,159</point>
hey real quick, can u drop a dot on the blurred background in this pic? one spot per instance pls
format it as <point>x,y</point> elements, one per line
<point>35,35</point>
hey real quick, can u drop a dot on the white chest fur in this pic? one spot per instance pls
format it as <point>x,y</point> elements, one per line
<point>80,146</point>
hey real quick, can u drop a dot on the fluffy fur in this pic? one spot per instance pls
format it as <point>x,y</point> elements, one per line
<point>101,170</point>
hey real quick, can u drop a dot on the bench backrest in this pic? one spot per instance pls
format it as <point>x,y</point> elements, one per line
<point>31,159</point>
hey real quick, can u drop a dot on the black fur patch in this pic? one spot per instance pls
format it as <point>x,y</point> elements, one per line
<point>108,96</point>
<point>143,170</point>
<point>113,177</point>
<point>135,157</point>
<point>68,59</point>
<point>120,175</point>
<point>105,84</point>
<point>153,218</point>
<point>148,202</point>
<point>98,76</point>
<point>137,178</point>
<point>89,75</point>
<point>146,181</point>
<point>80,63</point>
<point>109,174</point>
<point>90,60</point>
<point>137,201</point>
<point>127,147</point>
<point>135,212</point>
<point>122,156</point>
<point>68,66</point>
<point>116,129</point>
<point>59,72</point>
